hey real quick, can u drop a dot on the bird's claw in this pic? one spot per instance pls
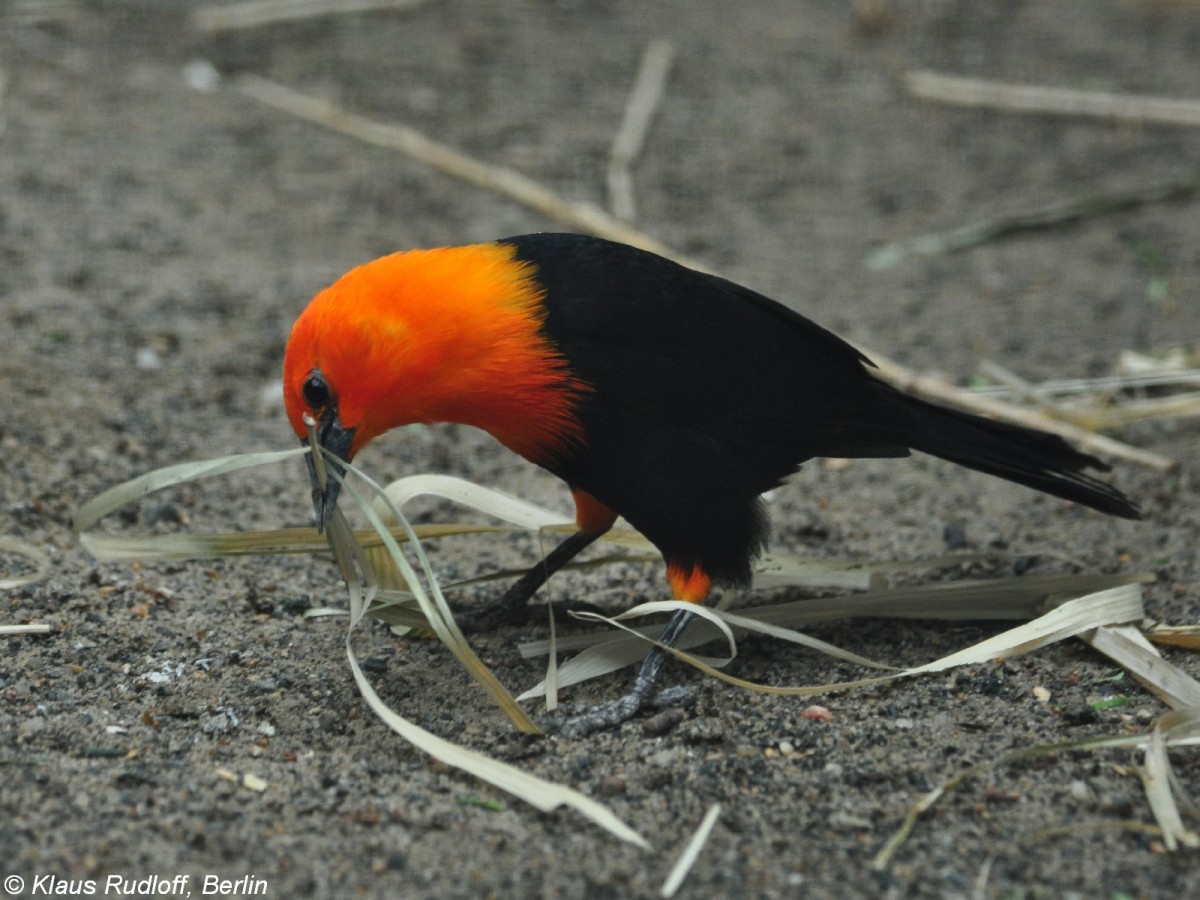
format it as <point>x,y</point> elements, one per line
<point>583,720</point>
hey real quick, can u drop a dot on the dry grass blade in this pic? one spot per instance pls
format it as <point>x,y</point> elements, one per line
<point>1177,728</point>
<point>494,503</point>
<point>358,574</point>
<point>102,504</point>
<point>31,628</point>
<point>1105,415</point>
<point>989,600</point>
<point>1087,611</point>
<point>1065,212</point>
<point>609,656</point>
<point>539,793</point>
<point>944,392</point>
<point>1157,777</point>
<point>551,679</point>
<point>210,545</point>
<point>778,569</point>
<point>1105,385</point>
<point>1102,403</point>
<point>885,855</point>
<point>1129,648</point>
<point>543,795</point>
<point>787,634</point>
<point>643,100</point>
<point>431,601</point>
<point>37,560</point>
<point>257,13</point>
<point>1028,98</point>
<point>691,852</point>
<point>1186,636</point>
<point>1113,606</point>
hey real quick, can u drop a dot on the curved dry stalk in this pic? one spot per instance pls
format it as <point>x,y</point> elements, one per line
<point>34,556</point>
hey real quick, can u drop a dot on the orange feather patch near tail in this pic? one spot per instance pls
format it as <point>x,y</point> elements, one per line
<point>690,585</point>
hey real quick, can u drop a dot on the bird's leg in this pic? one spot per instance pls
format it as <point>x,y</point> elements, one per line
<point>606,715</point>
<point>512,607</point>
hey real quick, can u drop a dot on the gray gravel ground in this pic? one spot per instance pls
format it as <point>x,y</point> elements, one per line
<point>156,243</point>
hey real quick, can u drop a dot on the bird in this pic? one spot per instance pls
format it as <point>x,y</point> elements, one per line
<point>658,393</point>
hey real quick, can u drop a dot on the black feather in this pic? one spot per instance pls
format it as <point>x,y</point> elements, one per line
<point>706,394</point>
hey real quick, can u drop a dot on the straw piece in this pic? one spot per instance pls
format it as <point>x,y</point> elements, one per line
<point>944,392</point>
<point>691,852</point>
<point>541,794</point>
<point>1157,779</point>
<point>643,101</point>
<point>412,143</point>
<point>1027,98</point>
<point>255,14</point>
<point>36,558</point>
<point>431,602</point>
<point>1128,647</point>
<point>1050,215</point>
<point>102,504</point>
<point>31,628</point>
<point>1186,636</point>
<point>1087,611</point>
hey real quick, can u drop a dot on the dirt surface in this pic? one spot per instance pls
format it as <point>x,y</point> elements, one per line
<point>157,241</point>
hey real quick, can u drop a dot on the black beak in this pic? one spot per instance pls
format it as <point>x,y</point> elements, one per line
<point>337,440</point>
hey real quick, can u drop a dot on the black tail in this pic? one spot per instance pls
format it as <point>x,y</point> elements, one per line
<point>1035,459</point>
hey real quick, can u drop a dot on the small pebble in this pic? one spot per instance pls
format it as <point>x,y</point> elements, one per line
<point>662,722</point>
<point>201,75</point>
<point>1080,791</point>
<point>955,535</point>
<point>611,786</point>
<point>663,758</point>
<point>147,359</point>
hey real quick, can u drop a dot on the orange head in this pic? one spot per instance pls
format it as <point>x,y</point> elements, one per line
<point>446,335</point>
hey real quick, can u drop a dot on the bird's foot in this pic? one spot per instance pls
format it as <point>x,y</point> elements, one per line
<point>580,721</point>
<point>513,608</point>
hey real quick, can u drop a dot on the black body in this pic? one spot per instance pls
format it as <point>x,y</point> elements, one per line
<point>706,394</point>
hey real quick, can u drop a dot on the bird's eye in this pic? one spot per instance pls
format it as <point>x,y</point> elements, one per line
<point>315,392</point>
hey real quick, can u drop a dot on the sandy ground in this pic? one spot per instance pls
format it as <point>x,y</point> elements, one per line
<point>156,243</point>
